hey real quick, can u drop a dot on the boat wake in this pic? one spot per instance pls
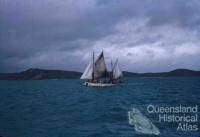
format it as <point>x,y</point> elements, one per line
<point>141,123</point>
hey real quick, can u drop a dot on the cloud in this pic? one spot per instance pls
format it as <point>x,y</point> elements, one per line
<point>147,48</point>
<point>147,35</point>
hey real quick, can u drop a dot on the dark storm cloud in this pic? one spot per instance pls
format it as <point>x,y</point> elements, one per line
<point>50,34</point>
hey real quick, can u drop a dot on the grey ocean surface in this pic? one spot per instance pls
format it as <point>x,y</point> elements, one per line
<point>65,108</point>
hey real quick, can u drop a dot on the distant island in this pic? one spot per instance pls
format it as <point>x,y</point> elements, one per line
<point>39,74</point>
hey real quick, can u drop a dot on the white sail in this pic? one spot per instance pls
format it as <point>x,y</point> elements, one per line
<point>117,73</point>
<point>100,67</point>
<point>88,72</point>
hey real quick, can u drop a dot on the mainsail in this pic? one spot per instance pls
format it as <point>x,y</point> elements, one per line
<point>97,69</point>
<point>100,67</point>
<point>88,72</point>
<point>117,73</point>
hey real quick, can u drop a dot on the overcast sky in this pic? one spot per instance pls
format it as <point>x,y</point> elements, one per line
<point>145,35</point>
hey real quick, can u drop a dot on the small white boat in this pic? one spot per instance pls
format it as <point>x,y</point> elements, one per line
<point>97,70</point>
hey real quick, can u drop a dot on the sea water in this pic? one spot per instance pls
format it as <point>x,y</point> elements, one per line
<point>66,108</point>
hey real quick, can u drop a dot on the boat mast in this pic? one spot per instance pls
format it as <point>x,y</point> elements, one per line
<point>106,72</point>
<point>93,67</point>
<point>112,70</point>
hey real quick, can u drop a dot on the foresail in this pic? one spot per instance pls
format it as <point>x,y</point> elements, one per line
<point>88,72</point>
<point>100,67</point>
<point>117,73</point>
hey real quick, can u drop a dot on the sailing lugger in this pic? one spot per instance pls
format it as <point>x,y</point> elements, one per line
<point>97,70</point>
